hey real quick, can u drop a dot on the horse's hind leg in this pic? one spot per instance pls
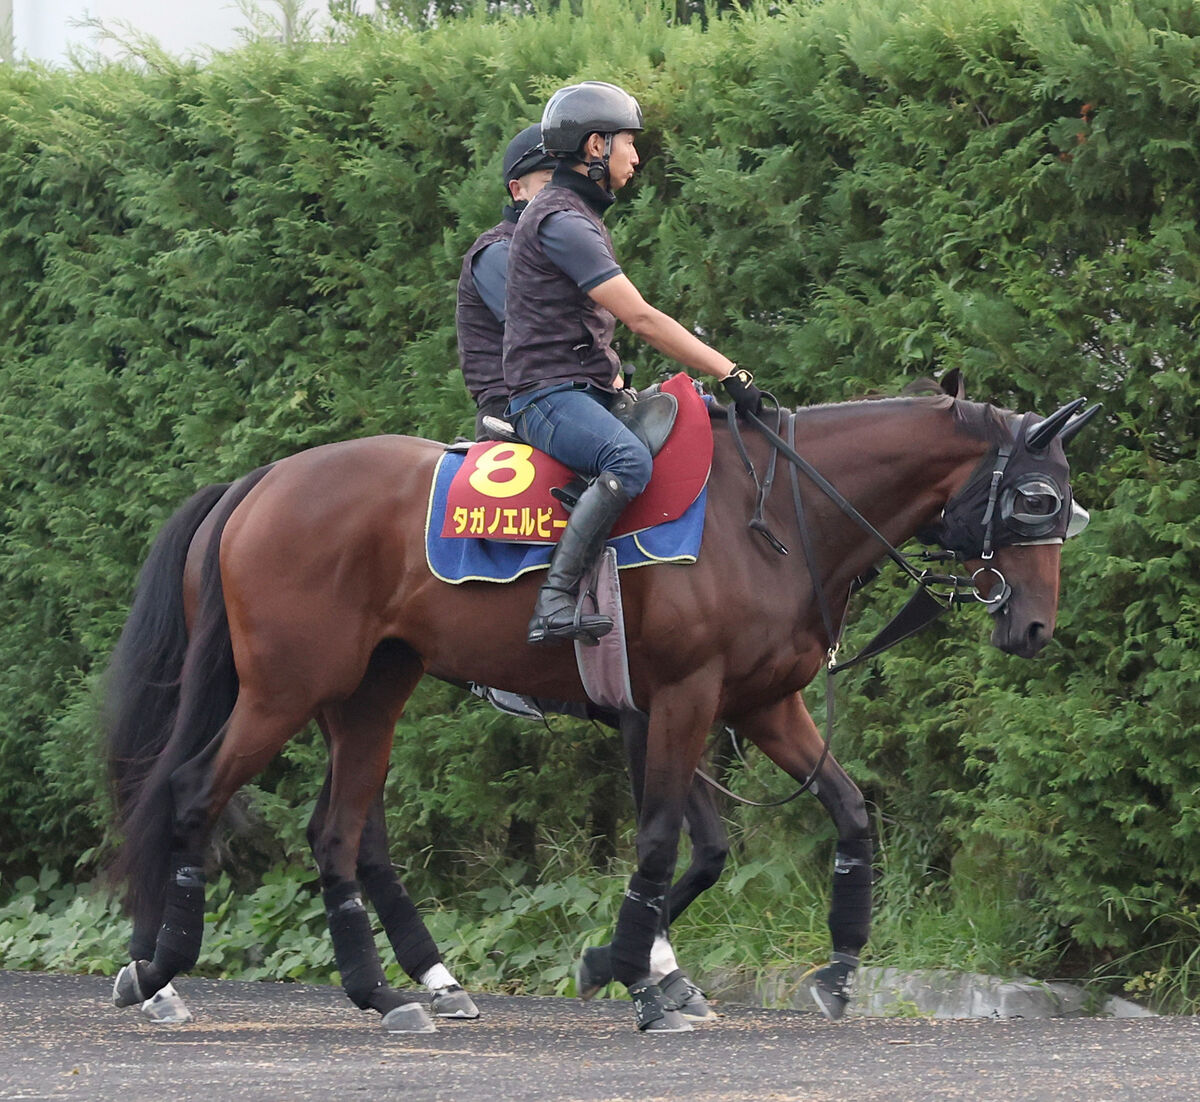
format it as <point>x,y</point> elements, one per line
<point>411,941</point>
<point>415,949</point>
<point>788,736</point>
<point>165,1007</point>
<point>199,790</point>
<point>360,732</point>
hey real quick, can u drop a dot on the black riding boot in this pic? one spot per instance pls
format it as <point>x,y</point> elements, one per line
<point>580,546</point>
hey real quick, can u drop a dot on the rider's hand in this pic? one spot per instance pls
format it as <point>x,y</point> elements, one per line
<point>739,385</point>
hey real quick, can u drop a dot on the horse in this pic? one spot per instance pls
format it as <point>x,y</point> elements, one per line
<point>305,593</point>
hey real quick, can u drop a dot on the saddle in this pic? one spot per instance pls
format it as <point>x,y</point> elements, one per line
<point>649,414</point>
<point>507,491</point>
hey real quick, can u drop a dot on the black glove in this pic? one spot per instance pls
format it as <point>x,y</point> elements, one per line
<point>739,385</point>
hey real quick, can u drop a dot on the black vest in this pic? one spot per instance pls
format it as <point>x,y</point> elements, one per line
<point>553,331</point>
<point>480,335</point>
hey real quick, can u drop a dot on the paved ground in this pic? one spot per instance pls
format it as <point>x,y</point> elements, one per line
<point>61,1038</point>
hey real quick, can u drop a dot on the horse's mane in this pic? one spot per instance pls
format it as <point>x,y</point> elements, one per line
<point>978,419</point>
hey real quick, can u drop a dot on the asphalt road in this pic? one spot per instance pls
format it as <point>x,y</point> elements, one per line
<point>61,1038</point>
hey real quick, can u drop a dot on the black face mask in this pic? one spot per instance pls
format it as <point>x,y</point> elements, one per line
<point>1030,501</point>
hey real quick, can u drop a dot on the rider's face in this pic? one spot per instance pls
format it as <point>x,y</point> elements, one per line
<point>527,186</point>
<point>623,159</point>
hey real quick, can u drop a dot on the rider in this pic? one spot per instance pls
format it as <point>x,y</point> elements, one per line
<point>565,293</point>
<point>479,314</point>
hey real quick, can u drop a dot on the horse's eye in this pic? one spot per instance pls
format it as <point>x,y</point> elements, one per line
<point>1039,505</point>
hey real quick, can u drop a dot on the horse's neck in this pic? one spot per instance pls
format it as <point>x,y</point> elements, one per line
<point>897,462</point>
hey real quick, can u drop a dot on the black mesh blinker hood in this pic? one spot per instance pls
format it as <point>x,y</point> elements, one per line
<point>1024,476</point>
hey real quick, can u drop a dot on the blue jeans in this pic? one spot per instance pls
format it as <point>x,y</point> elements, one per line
<point>571,422</point>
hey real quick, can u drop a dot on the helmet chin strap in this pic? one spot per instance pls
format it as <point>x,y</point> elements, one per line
<point>598,170</point>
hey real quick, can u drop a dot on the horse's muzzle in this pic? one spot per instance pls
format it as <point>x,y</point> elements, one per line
<point>1019,636</point>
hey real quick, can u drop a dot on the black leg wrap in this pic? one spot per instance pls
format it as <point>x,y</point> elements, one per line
<point>411,942</point>
<point>182,930</point>
<point>353,944</point>
<point>638,921</point>
<point>850,905</point>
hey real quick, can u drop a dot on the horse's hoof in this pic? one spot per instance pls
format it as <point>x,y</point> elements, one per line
<point>127,987</point>
<point>453,1002</point>
<point>830,988</point>
<point>594,971</point>
<point>408,1018</point>
<point>165,1007</point>
<point>686,997</point>
<point>653,1013</point>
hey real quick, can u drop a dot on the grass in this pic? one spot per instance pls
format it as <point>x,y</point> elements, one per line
<point>511,934</point>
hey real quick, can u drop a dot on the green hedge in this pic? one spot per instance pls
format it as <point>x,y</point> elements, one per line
<point>205,268</point>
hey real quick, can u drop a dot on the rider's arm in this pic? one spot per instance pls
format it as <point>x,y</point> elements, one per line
<point>575,244</point>
<point>489,269</point>
<point>620,296</point>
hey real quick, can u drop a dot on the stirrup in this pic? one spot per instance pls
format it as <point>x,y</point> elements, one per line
<point>499,429</point>
<point>587,628</point>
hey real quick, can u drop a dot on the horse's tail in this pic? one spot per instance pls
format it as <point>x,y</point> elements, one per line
<point>168,694</point>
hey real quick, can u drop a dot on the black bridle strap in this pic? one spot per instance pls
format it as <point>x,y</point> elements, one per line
<point>763,488</point>
<point>833,493</point>
<point>920,610</point>
<point>989,516</point>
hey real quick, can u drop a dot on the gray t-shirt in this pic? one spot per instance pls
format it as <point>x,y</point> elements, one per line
<point>489,269</point>
<point>578,247</point>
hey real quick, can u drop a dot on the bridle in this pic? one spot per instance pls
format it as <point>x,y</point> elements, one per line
<point>1001,519</point>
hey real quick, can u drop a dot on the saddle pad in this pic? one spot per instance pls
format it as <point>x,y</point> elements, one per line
<point>475,560</point>
<point>502,491</point>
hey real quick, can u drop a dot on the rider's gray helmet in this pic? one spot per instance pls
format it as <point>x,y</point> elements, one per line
<point>578,110</point>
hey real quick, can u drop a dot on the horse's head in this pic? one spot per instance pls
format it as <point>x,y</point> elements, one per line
<point>1008,523</point>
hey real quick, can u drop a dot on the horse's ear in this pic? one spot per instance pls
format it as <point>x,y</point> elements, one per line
<point>1038,436</point>
<point>952,383</point>
<point>1076,423</point>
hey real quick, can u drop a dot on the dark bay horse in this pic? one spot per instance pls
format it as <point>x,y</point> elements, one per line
<point>306,594</point>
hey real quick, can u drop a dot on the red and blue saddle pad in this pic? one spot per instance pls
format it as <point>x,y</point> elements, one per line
<point>492,518</point>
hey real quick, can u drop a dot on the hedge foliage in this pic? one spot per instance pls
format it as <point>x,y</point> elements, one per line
<point>206,267</point>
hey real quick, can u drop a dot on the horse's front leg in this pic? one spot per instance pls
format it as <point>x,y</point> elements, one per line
<point>786,733</point>
<point>679,716</point>
<point>710,847</point>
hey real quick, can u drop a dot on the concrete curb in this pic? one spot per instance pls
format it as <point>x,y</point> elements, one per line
<point>927,993</point>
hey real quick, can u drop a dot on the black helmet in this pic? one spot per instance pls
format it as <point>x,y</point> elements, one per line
<point>525,154</point>
<point>578,110</point>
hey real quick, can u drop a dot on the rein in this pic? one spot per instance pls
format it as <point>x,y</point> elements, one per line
<point>919,612</point>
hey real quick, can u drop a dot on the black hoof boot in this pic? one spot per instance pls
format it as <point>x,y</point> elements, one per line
<point>132,986</point>
<point>453,1002</point>
<point>652,1012</point>
<point>594,971</point>
<point>686,997</point>
<point>400,1011</point>
<point>831,986</point>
